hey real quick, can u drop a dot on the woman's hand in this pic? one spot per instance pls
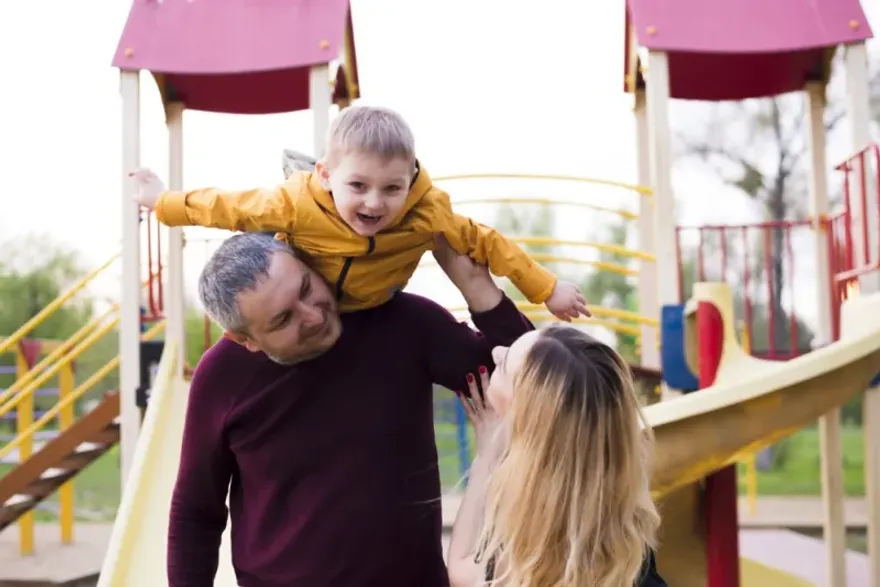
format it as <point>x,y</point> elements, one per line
<point>484,419</point>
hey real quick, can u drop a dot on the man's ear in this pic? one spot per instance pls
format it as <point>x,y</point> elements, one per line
<point>242,339</point>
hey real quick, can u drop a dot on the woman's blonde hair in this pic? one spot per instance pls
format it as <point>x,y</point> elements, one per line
<point>569,504</point>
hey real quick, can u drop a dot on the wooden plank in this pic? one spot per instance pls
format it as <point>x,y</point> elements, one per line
<point>57,449</point>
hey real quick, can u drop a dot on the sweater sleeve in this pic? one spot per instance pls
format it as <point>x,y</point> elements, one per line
<point>256,210</point>
<point>454,349</point>
<point>487,246</point>
<point>198,503</point>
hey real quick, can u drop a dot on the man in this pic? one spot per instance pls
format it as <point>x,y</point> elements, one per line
<point>320,426</point>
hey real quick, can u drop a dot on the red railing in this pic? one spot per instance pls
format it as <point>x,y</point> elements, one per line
<point>852,253</point>
<point>759,261</point>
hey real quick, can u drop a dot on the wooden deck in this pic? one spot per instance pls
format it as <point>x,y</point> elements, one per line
<point>54,564</point>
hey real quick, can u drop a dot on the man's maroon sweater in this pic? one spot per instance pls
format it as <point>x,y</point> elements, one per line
<point>330,465</point>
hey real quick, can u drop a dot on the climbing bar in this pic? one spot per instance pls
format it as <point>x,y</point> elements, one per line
<point>541,241</point>
<point>640,189</point>
<point>546,258</point>
<point>549,202</point>
<point>601,311</point>
<point>75,395</point>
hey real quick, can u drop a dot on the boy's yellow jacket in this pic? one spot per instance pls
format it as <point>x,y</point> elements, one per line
<point>365,272</point>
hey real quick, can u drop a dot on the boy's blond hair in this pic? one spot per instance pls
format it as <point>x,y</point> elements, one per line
<point>370,129</point>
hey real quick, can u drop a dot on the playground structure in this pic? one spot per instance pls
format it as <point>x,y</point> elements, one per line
<point>749,403</point>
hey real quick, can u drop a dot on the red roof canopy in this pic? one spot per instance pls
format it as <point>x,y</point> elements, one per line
<point>239,56</point>
<point>723,50</point>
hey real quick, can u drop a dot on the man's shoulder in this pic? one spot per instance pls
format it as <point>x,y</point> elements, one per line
<point>410,304</point>
<point>227,363</point>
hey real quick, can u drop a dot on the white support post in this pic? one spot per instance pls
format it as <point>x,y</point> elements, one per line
<point>130,304</point>
<point>657,94</point>
<point>858,105</point>
<point>660,166</point>
<point>831,452</point>
<point>319,103</point>
<point>859,118</point>
<point>174,301</point>
<point>647,288</point>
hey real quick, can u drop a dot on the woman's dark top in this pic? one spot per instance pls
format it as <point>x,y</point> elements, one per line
<point>649,577</point>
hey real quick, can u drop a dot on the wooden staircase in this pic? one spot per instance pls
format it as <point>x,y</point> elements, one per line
<point>59,460</point>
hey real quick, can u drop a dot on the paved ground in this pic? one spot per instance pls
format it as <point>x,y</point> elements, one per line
<point>53,562</point>
<point>770,512</point>
<point>761,539</point>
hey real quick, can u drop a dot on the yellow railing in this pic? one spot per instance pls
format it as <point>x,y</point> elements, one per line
<point>63,410</point>
<point>639,189</point>
<point>52,306</point>
<point>549,202</point>
<point>58,363</point>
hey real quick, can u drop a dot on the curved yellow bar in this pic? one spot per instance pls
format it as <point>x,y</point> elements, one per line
<point>545,258</point>
<point>549,202</point>
<point>542,241</point>
<point>641,189</point>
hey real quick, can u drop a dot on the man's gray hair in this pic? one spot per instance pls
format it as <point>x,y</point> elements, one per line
<point>236,266</point>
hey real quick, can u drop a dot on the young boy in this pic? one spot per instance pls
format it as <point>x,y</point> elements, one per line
<point>363,218</point>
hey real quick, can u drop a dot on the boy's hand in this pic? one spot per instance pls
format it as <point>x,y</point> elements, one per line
<point>567,302</point>
<point>150,187</point>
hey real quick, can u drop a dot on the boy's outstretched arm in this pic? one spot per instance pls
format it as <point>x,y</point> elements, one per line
<point>505,259</point>
<point>255,210</point>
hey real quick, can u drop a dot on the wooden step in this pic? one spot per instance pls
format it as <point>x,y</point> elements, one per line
<point>59,460</point>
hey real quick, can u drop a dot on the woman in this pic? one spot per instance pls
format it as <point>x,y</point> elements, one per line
<point>558,494</point>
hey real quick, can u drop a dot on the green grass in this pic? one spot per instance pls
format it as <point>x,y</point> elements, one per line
<point>799,470</point>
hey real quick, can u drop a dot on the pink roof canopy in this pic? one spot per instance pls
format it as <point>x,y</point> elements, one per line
<point>239,56</point>
<point>732,50</point>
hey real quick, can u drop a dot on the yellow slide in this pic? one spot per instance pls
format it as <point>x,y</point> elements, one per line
<point>753,404</point>
<point>136,554</point>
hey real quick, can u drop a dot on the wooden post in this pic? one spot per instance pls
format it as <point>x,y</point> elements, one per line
<point>647,289</point>
<point>130,305</point>
<point>831,451</point>
<point>320,96</point>
<point>175,305</point>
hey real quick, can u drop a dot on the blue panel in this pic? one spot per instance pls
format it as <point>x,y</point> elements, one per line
<point>676,373</point>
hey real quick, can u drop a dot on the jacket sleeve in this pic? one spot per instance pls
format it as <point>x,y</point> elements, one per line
<point>453,349</point>
<point>256,210</point>
<point>489,247</point>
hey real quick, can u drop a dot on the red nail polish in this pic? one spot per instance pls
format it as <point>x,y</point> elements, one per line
<point>482,370</point>
<point>470,378</point>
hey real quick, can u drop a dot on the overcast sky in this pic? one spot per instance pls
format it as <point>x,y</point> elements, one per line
<point>532,91</point>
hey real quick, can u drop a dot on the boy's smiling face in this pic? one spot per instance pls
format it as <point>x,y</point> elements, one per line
<point>369,191</point>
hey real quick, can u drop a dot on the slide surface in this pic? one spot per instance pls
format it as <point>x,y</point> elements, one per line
<point>753,404</point>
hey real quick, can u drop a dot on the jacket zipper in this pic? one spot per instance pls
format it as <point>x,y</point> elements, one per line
<point>340,282</point>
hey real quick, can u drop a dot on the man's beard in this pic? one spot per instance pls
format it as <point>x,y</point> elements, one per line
<point>313,354</point>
